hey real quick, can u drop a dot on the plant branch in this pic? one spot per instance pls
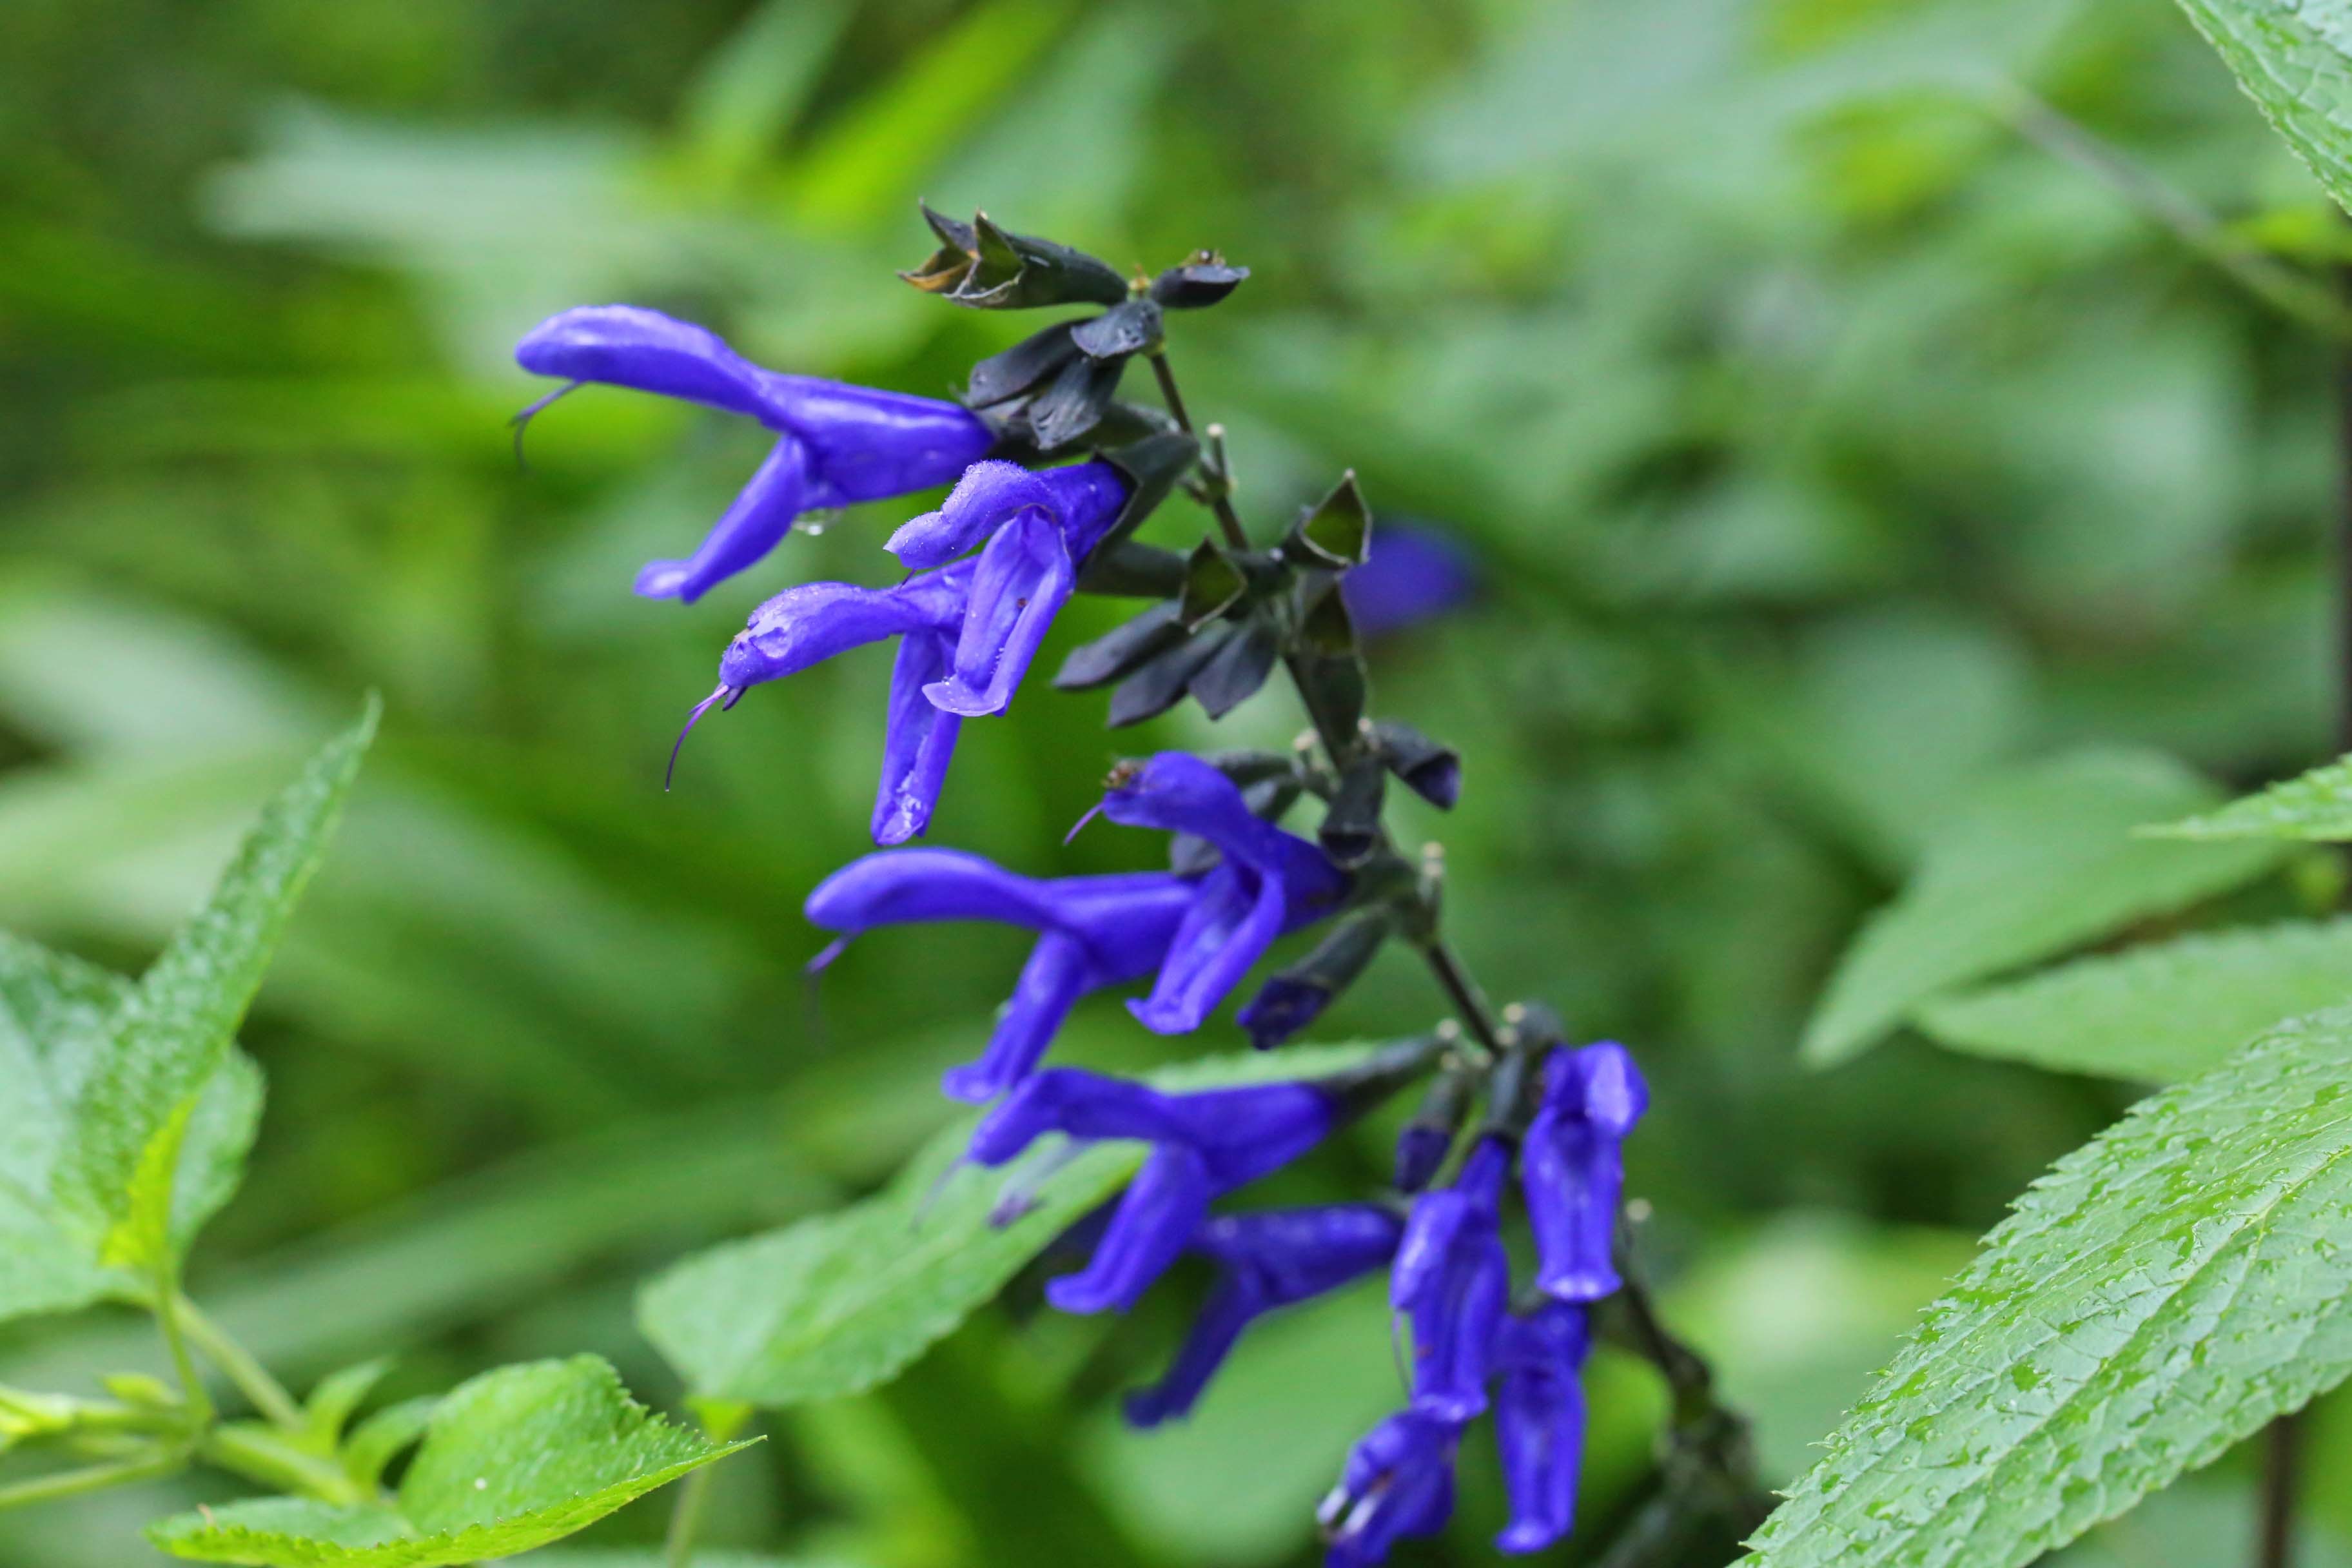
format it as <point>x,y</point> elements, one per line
<point>2279,286</point>
<point>241,1367</point>
<point>91,1478</point>
<point>168,1305</point>
<point>1229,521</point>
<point>2274,1528</point>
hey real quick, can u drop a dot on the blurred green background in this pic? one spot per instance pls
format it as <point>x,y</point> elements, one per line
<point>1826,439</point>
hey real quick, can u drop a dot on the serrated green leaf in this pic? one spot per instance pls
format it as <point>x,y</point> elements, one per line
<point>512,1460</point>
<point>174,1028</point>
<point>832,1305</point>
<point>2156,1014</point>
<point>2043,860</point>
<point>2162,1293</point>
<point>2317,806</point>
<point>2294,58</point>
<point>54,1011</point>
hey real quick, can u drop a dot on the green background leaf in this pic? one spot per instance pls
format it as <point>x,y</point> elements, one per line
<point>2159,1296</point>
<point>2042,861</point>
<point>54,1017</point>
<point>2158,1013</point>
<point>2294,58</point>
<point>2313,805</point>
<point>513,1459</point>
<point>833,1305</point>
<point>176,1025</point>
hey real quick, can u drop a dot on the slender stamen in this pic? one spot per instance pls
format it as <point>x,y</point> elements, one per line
<point>1092,812</point>
<point>729,693</point>
<point>524,419</point>
<point>830,952</point>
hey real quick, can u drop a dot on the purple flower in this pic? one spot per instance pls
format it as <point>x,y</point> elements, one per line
<point>1540,1422</point>
<point>1203,1145</point>
<point>1268,882</point>
<point>1093,932</point>
<point>1398,1481</point>
<point>1572,1168</point>
<point>1412,572</point>
<point>1039,528</point>
<point>1266,1260</point>
<point>968,630</point>
<point>835,444</point>
<point>808,625</point>
<point>1452,1278</point>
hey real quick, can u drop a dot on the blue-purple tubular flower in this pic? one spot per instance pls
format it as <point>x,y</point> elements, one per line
<point>1411,574</point>
<point>835,444</point>
<point>1093,932</point>
<point>1398,1482</point>
<point>1264,1260</point>
<point>1039,528</point>
<point>1268,882</point>
<point>1572,1167</point>
<point>1454,1278</point>
<point>1203,1146</point>
<point>1539,1421</point>
<point>968,629</point>
<point>808,625</point>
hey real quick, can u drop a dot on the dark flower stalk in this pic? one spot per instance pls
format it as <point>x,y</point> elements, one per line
<point>1050,476</point>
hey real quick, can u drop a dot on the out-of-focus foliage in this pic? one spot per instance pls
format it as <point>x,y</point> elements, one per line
<point>1830,444</point>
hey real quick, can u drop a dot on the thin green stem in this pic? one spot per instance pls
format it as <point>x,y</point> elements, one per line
<point>262,1456</point>
<point>92,1478</point>
<point>686,1519</point>
<point>241,1367</point>
<point>167,1307</point>
<point>721,1419</point>
<point>2279,286</point>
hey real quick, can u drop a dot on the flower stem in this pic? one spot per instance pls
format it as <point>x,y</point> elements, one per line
<point>1229,521</point>
<point>1468,1000</point>
<point>240,1366</point>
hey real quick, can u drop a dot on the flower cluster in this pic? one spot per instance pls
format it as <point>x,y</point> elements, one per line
<point>1049,475</point>
<point>1452,1283</point>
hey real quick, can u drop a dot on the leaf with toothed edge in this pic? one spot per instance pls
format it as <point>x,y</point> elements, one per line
<point>512,1460</point>
<point>2163,1293</point>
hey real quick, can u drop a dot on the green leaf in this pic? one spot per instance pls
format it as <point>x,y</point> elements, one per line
<point>514,1460</point>
<point>837,1304</point>
<point>2162,1293</point>
<point>2294,58</point>
<point>335,1398</point>
<point>2043,860</point>
<point>174,1031</point>
<point>2156,1014</point>
<point>378,1440</point>
<point>54,1014</point>
<point>2316,805</point>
